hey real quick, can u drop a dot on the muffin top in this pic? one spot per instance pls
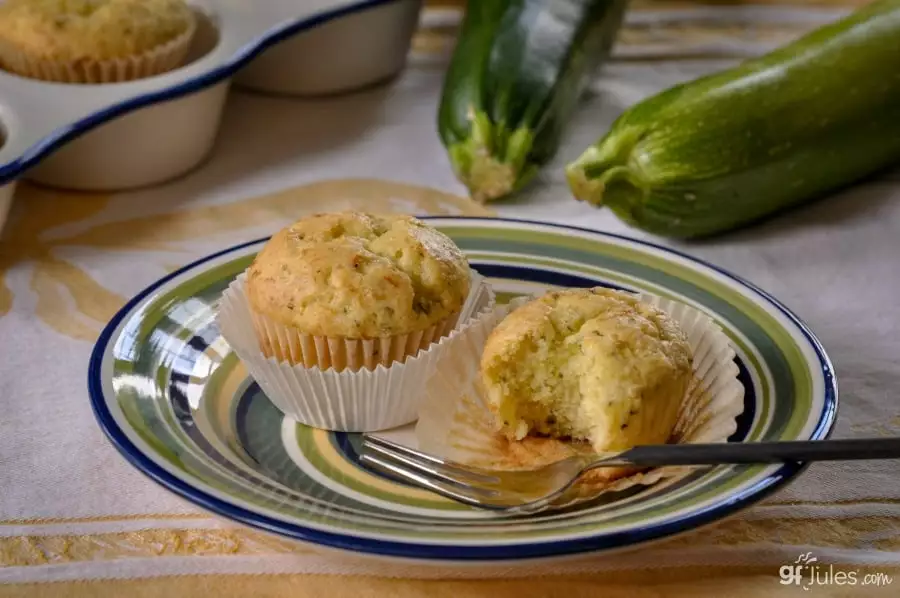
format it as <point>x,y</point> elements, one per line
<point>605,322</point>
<point>358,275</point>
<point>71,30</point>
<point>582,363</point>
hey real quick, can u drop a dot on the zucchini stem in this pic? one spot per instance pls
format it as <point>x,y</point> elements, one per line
<point>600,182</point>
<point>584,188</point>
<point>493,161</point>
<point>603,165</point>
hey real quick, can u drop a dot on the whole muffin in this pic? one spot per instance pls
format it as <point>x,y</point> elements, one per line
<point>588,365</point>
<point>354,276</point>
<point>94,41</point>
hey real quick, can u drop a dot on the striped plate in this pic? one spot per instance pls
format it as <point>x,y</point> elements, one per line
<point>179,406</point>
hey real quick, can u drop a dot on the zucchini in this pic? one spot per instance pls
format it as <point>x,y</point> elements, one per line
<point>513,82</point>
<point>734,147</point>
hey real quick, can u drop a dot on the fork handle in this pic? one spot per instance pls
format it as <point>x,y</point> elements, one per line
<point>758,452</point>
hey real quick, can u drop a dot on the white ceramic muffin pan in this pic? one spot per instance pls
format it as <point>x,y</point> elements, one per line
<point>126,135</point>
<point>359,49</point>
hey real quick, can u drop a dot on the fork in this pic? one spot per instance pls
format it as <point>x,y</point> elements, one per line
<point>533,490</point>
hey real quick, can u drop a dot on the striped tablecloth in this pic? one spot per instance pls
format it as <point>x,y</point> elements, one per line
<point>76,520</point>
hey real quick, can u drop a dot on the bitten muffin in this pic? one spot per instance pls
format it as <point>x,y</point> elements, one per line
<point>589,365</point>
<point>354,275</point>
<point>94,41</point>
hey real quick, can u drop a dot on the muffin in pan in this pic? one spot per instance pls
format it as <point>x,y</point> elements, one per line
<point>94,41</point>
<point>590,365</point>
<point>354,290</point>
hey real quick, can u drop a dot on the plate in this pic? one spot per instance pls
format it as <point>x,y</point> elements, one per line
<point>178,405</point>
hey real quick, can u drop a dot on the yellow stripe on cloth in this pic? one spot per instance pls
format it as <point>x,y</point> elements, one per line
<point>851,532</point>
<point>679,583</point>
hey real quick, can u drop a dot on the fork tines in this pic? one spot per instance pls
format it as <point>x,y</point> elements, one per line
<point>464,484</point>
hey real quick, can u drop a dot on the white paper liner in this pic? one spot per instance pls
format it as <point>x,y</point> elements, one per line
<point>346,401</point>
<point>288,345</point>
<point>161,59</point>
<point>455,423</point>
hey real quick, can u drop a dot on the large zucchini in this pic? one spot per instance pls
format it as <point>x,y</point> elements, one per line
<point>730,148</point>
<point>513,83</point>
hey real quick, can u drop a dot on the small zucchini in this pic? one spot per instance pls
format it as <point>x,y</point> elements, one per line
<point>733,147</point>
<point>513,82</point>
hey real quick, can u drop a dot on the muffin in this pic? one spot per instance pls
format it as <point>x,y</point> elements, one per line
<point>323,286</point>
<point>590,365</point>
<point>94,41</point>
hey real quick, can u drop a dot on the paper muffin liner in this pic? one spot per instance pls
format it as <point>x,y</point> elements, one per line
<point>161,59</point>
<point>296,348</point>
<point>456,423</point>
<point>364,400</point>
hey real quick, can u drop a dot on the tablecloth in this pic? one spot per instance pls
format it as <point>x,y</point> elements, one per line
<point>77,520</point>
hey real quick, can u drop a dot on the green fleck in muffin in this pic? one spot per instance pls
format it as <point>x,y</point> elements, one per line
<point>94,41</point>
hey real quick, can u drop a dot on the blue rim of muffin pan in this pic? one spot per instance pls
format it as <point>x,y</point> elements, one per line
<point>67,133</point>
<point>461,554</point>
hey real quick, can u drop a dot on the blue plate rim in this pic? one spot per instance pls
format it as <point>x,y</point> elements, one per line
<point>446,553</point>
<point>67,133</point>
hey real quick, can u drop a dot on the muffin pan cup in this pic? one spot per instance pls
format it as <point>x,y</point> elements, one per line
<point>113,136</point>
<point>455,422</point>
<point>365,400</point>
<point>360,49</point>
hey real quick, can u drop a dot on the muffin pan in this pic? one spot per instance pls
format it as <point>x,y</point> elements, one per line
<point>123,135</point>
